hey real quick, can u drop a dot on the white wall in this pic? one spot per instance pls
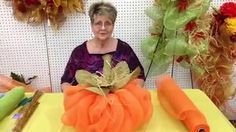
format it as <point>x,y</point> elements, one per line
<point>37,50</point>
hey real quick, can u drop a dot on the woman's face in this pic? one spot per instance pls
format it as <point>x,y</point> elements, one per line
<point>102,27</point>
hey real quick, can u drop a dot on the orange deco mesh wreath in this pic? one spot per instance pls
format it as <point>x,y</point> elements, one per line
<point>111,102</point>
<point>39,11</point>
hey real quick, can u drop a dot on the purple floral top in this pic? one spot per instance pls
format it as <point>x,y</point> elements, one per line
<point>82,59</point>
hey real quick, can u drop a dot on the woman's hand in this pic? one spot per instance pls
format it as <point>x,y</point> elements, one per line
<point>65,85</point>
<point>141,82</point>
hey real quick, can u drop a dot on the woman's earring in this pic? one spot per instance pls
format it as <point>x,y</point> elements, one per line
<point>92,35</point>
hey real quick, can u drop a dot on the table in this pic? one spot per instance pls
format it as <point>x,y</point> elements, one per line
<point>47,117</point>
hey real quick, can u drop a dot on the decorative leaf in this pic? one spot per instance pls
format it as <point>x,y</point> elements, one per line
<point>174,19</point>
<point>110,80</point>
<point>198,69</point>
<point>102,82</point>
<point>201,5</point>
<point>18,77</point>
<point>97,90</point>
<point>165,3</point>
<point>161,62</point>
<point>135,73</point>
<point>57,2</point>
<point>75,6</point>
<point>161,58</point>
<point>85,77</point>
<point>121,70</point>
<point>192,50</point>
<point>123,81</point>
<point>157,69</point>
<point>185,64</point>
<point>30,79</point>
<point>176,46</point>
<point>170,33</point>
<point>148,46</point>
<point>154,13</point>
<point>107,69</point>
<point>156,28</point>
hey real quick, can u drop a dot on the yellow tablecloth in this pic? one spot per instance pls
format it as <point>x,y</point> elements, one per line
<point>47,117</point>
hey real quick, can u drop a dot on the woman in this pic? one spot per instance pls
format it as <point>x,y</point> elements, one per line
<point>88,56</point>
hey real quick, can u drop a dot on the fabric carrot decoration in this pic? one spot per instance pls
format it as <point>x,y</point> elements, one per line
<point>175,102</point>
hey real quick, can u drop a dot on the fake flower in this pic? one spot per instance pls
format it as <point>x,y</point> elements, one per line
<point>182,5</point>
<point>231,25</point>
<point>190,26</point>
<point>228,9</point>
<point>53,12</point>
<point>233,38</point>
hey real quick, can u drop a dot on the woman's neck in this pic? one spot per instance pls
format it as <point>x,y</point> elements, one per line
<point>102,43</point>
<point>98,46</point>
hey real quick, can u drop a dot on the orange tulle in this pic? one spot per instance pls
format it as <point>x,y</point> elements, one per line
<point>123,110</point>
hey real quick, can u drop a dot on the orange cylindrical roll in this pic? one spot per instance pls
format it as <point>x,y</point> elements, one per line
<point>175,102</point>
<point>6,84</point>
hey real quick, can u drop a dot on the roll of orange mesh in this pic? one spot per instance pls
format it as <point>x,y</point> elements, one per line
<point>6,84</point>
<point>175,102</point>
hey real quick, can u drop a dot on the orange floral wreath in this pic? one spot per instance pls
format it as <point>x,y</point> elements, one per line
<point>39,11</point>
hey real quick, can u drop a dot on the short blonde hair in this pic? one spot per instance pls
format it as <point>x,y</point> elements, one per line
<point>102,8</point>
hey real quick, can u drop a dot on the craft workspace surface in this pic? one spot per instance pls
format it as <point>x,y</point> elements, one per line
<point>47,116</point>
